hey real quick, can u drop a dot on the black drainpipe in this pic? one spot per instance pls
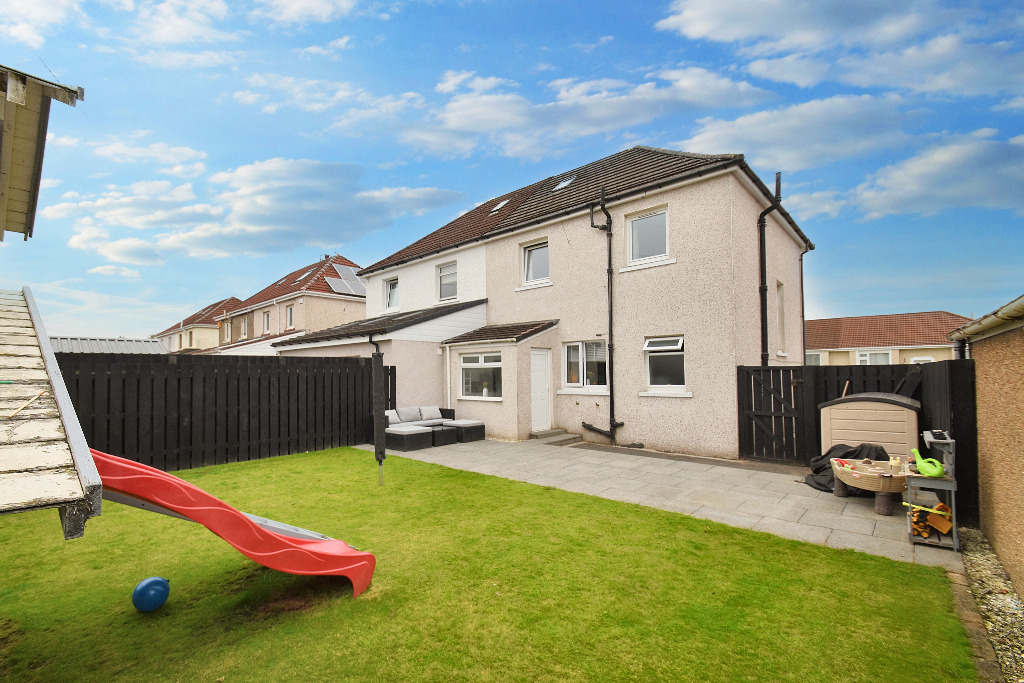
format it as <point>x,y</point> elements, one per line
<point>613,424</point>
<point>377,382</point>
<point>762,222</point>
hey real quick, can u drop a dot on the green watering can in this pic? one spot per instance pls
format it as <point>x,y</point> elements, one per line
<point>930,467</point>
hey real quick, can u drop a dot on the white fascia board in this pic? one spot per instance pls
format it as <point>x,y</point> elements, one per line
<point>759,196</point>
<point>484,342</point>
<point>1001,320</point>
<point>344,341</point>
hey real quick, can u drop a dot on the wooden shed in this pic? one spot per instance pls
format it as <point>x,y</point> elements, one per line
<point>889,420</point>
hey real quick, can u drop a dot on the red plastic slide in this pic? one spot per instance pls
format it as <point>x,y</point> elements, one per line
<point>274,550</point>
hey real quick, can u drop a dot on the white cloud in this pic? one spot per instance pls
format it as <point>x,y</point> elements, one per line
<point>590,47</point>
<point>1010,105</point>
<point>330,50</point>
<point>116,271</point>
<point>159,152</point>
<point>29,22</point>
<point>376,110</point>
<point>184,170</point>
<point>61,141</point>
<point>179,59</point>
<point>303,11</point>
<point>972,170</point>
<point>806,135</point>
<point>945,64</point>
<point>310,95</point>
<point>173,22</point>
<point>483,111</point>
<point>47,183</point>
<point>797,69</point>
<point>262,208</point>
<point>807,205</point>
<point>795,25</point>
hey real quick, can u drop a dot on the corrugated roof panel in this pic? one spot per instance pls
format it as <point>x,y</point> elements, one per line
<point>100,345</point>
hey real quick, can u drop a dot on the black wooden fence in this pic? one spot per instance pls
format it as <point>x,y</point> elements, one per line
<point>179,412</point>
<point>779,419</point>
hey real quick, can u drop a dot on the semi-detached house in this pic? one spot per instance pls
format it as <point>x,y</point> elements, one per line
<point>504,314</point>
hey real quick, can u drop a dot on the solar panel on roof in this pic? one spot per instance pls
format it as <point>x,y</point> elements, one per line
<point>347,274</point>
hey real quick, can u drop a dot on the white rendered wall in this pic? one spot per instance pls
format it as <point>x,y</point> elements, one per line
<point>417,282</point>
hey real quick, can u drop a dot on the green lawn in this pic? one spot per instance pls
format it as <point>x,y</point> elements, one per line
<point>478,579</point>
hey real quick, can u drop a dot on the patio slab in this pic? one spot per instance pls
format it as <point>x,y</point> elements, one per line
<point>764,497</point>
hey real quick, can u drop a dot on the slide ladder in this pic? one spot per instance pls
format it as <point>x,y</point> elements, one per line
<point>275,545</point>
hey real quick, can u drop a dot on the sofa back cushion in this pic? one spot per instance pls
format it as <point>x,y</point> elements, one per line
<point>430,412</point>
<point>409,414</point>
<point>392,416</point>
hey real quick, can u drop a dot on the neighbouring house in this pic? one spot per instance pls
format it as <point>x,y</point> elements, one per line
<point>896,339</point>
<point>198,331</point>
<point>106,345</point>
<point>996,343</point>
<point>531,349</point>
<point>321,295</point>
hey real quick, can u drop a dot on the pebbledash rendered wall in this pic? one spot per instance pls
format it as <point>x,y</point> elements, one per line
<point>999,382</point>
<point>707,292</point>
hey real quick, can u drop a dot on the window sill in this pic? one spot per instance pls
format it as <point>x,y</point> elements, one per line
<point>492,399</point>
<point>648,264</point>
<point>582,391</point>
<point>662,393</point>
<point>535,285</point>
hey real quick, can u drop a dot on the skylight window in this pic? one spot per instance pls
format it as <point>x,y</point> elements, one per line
<point>497,207</point>
<point>302,277</point>
<point>564,184</point>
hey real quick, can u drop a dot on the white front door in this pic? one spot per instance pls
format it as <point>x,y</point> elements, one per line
<point>540,389</point>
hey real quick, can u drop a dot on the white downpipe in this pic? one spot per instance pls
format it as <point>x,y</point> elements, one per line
<point>448,376</point>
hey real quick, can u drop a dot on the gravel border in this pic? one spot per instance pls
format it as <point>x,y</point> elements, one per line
<point>1002,610</point>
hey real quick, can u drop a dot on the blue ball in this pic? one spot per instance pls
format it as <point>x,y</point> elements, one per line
<point>151,593</point>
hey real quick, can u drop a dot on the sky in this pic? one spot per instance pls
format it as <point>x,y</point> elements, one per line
<point>222,145</point>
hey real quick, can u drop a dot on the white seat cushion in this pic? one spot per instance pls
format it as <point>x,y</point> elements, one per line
<point>462,423</point>
<point>407,429</point>
<point>409,414</point>
<point>430,413</point>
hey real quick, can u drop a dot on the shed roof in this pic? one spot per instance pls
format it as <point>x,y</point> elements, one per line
<point>621,175</point>
<point>868,331</point>
<point>514,331</point>
<point>105,345</point>
<point>382,324</point>
<point>205,317</point>
<point>26,116</point>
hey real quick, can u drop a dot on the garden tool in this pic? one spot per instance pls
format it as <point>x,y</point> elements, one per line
<point>929,467</point>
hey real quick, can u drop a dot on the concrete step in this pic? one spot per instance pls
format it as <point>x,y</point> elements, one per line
<point>562,439</point>
<point>546,433</point>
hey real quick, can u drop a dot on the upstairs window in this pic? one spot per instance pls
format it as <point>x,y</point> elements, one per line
<point>245,328</point>
<point>391,293</point>
<point>447,282</point>
<point>648,237</point>
<point>586,364</point>
<point>227,330</point>
<point>780,298</point>
<point>666,365</point>
<point>536,267</point>
<point>481,375</point>
<point>190,338</point>
<point>289,317</point>
<point>266,322</point>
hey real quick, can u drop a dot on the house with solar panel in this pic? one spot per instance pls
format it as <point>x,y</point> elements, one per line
<point>198,331</point>
<point>614,301</point>
<point>318,296</point>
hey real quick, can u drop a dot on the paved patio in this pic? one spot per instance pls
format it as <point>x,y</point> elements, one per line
<point>769,498</point>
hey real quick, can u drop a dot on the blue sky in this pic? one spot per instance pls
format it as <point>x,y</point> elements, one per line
<point>221,145</point>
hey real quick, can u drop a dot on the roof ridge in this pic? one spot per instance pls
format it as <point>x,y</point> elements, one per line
<point>327,262</point>
<point>688,155</point>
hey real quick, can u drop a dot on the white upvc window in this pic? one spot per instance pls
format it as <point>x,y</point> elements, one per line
<point>665,361</point>
<point>179,340</point>
<point>481,375</point>
<point>266,322</point>
<point>812,358</point>
<point>245,328</point>
<point>780,302</point>
<point>647,237</point>
<point>917,360</point>
<point>391,294</point>
<point>190,338</point>
<point>447,282</point>
<point>227,330</point>
<point>873,357</point>
<point>586,364</point>
<point>289,317</point>
<point>536,264</point>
